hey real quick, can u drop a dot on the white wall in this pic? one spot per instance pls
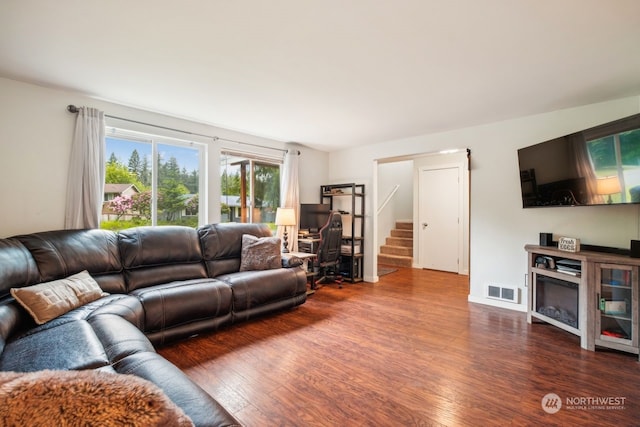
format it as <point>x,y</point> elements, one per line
<point>35,140</point>
<point>400,206</point>
<point>314,172</point>
<point>499,226</point>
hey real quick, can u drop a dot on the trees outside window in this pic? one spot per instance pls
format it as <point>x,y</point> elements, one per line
<point>151,180</point>
<point>250,188</point>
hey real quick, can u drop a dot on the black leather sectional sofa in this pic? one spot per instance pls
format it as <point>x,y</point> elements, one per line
<point>163,283</point>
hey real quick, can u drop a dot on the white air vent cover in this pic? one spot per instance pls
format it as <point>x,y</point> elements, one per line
<point>503,293</point>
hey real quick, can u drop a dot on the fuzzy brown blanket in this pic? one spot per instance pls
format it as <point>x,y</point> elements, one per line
<point>84,398</point>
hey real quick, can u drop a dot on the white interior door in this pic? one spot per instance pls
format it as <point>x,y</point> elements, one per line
<point>439,218</point>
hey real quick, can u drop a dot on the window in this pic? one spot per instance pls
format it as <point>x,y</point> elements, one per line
<point>249,187</point>
<point>152,180</point>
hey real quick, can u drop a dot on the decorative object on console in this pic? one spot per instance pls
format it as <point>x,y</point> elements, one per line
<point>545,262</point>
<point>613,307</point>
<point>260,253</point>
<point>569,244</point>
<point>607,186</point>
<point>285,217</point>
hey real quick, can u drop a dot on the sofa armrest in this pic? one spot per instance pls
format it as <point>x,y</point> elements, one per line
<point>290,261</point>
<point>14,320</point>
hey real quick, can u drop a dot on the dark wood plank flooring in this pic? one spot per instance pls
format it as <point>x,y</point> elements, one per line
<point>406,351</point>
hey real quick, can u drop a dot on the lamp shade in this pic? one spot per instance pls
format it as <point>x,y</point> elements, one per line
<point>608,185</point>
<point>285,216</point>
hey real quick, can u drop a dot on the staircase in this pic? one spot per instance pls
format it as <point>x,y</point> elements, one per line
<point>398,248</point>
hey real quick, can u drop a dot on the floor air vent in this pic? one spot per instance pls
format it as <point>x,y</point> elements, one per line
<point>503,293</point>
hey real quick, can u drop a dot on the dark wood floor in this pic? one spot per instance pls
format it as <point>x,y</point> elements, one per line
<point>406,351</point>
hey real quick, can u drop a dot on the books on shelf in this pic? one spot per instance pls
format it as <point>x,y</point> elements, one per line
<point>568,270</point>
<point>618,277</point>
<point>573,263</point>
<point>569,266</point>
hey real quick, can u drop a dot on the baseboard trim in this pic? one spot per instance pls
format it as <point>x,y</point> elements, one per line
<point>510,306</point>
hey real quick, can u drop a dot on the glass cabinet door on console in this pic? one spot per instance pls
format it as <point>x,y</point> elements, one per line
<point>617,307</point>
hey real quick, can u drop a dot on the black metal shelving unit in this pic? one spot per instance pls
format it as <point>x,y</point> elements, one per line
<point>349,200</point>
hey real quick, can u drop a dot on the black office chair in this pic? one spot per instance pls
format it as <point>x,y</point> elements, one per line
<point>328,256</point>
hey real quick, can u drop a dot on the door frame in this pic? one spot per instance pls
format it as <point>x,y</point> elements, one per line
<point>457,156</point>
<point>416,211</point>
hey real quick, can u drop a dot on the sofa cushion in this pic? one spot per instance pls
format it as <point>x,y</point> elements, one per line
<point>61,253</point>
<point>222,245</point>
<point>15,321</point>
<point>49,300</point>
<point>178,303</point>
<point>158,255</point>
<point>253,289</point>
<point>71,345</point>
<point>71,398</point>
<point>260,253</point>
<point>118,337</point>
<point>17,266</point>
<point>126,306</point>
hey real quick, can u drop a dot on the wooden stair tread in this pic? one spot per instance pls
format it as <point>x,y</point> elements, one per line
<point>399,241</point>
<point>395,260</point>
<point>398,248</point>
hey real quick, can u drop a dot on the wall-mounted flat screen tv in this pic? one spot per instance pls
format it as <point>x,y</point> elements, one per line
<point>596,166</point>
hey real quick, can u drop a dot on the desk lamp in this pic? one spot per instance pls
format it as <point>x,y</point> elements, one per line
<point>285,217</point>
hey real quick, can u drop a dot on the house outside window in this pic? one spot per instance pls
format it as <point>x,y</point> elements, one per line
<point>249,188</point>
<point>152,180</point>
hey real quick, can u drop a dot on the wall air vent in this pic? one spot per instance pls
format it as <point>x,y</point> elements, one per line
<point>503,293</point>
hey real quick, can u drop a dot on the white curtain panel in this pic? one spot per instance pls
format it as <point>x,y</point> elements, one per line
<point>85,184</point>
<point>290,195</point>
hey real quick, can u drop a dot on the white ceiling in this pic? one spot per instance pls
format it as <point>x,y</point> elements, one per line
<point>329,73</point>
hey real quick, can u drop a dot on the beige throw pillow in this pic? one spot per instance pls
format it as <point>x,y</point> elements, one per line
<point>260,253</point>
<point>46,301</point>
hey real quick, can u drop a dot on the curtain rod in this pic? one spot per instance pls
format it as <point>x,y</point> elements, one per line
<point>73,109</point>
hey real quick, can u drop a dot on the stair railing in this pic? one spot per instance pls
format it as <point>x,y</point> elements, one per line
<point>388,198</point>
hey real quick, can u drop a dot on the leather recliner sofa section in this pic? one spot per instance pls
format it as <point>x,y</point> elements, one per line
<point>164,283</point>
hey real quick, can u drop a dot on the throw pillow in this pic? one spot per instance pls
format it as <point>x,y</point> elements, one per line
<point>46,301</point>
<point>260,253</point>
<point>85,398</point>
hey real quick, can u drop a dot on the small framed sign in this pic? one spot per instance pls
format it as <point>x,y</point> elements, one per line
<point>569,244</point>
